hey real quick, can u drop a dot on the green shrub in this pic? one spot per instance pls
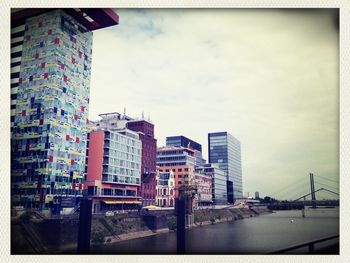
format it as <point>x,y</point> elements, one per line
<point>201,216</point>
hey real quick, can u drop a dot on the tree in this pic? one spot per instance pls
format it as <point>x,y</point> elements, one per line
<point>268,200</point>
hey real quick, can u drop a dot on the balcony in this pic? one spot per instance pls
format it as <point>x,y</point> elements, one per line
<point>115,193</point>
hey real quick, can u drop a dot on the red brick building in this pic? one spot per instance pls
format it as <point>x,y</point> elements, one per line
<point>148,160</point>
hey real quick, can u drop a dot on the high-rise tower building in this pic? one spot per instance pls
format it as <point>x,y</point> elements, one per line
<point>50,83</point>
<point>225,150</point>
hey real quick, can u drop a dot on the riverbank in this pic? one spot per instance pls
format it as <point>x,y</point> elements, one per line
<point>32,235</point>
<point>202,217</point>
<point>252,236</point>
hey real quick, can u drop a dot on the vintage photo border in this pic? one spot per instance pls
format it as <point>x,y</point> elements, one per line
<point>344,127</point>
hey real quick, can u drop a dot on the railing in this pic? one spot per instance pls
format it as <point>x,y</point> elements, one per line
<point>310,245</point>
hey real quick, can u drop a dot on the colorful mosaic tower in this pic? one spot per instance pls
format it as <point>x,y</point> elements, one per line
<point>49,132</point>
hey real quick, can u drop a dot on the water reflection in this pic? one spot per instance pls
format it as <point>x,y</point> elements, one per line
<point>256,235</point>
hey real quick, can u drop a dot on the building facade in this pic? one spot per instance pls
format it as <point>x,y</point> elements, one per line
<point>175,156</point>
<point>165,189</point>
<point>148,189</point>
<point>50,83</point>
<point>225,151</point>
<point>180,161</point>
<point>218,181</point>
<point>182,141</point>
<point>114,170</point>
<point>203,185</point>
<point>149,144</point>
<point>145,130</point>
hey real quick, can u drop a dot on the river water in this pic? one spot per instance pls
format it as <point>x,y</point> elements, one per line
<point>256,235</point>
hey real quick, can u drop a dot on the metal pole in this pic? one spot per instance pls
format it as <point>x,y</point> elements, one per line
<point>312,185</point>
<point>313,192</point>
<point>84,233</point>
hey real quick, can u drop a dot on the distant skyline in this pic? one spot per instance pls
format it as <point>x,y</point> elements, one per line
<point>268,77</point>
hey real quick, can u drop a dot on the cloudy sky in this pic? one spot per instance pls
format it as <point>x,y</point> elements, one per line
<point>268,77</point>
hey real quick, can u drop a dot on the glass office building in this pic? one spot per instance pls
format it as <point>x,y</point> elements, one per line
<point>225,151</point>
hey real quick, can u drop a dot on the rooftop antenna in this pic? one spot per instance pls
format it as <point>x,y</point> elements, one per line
<point>124,110</point>
<point>149,118</point>
<point>143,115</point>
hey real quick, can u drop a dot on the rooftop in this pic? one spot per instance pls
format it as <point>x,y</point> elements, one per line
<point>91,18</point>
<point>174,148</point>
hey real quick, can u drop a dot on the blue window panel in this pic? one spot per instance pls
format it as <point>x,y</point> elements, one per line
<point>64,89</point>
<point>32,99</point>
<point>62,112</point>
<point>54,109</point>
<point>14,75</point>
<point>41,44</point>
<point>71,173</point>
<point>31,78</point>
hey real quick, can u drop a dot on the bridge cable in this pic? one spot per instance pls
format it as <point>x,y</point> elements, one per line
<point>295,190</point>
<point>327,179</point>
<point>293,185</point>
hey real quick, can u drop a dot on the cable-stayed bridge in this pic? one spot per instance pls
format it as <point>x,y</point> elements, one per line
<point>300,200</point>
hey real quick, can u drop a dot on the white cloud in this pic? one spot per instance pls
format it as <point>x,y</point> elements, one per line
<point>269,77</point>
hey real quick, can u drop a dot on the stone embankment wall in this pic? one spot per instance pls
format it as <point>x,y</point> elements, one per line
<point>205,216</point>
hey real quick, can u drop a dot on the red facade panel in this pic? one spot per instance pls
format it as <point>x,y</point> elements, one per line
<point>95,156</point>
